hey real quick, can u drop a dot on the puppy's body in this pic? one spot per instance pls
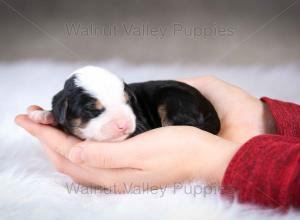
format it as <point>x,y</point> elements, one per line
<point>165,103</point>
<point>96,104</point>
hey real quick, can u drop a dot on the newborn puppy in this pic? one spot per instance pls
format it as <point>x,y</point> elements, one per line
<point>96,104</point>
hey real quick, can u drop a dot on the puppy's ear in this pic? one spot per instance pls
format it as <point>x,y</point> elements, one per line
<point>60,107</point>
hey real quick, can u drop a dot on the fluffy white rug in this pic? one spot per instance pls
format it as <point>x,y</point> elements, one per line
<point>31,189</point>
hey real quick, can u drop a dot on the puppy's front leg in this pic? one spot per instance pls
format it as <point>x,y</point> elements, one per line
<point>42,117</point>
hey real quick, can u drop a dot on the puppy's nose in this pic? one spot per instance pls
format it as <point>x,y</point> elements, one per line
<point>122,125</point>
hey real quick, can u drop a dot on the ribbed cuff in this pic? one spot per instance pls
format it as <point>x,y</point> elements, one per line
<point>286,116</point>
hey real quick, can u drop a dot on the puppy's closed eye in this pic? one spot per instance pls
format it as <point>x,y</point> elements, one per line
<point>92,110</point>
<point>90,106</point>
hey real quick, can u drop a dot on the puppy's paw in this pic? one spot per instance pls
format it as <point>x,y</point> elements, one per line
<point>41,117</point>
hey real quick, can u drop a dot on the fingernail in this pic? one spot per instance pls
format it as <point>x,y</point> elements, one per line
<point>75,155</point>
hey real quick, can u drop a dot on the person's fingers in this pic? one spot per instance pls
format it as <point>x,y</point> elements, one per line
<point>62,165</point>
<point>134,152</point>
<point>118,180</point>
<point>221,94</point>
<point>199,82</point>
<point>210,87</point>
<point>59,143</point>
<point>106,155</point>
<point>48,135</point>
<point>30,126</point>
<point>209,84</point>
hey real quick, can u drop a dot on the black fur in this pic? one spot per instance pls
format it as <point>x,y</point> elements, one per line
<point>184,105</point>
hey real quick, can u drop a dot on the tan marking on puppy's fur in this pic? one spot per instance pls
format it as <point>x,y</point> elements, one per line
<point>162,111</point>
<point>126,97</point>
<point>76,122</point>
<point>76,131</point>
<point>77,125</point>
<point>98,105</point>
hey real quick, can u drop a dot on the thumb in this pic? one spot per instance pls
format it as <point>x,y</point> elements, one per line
<point>105,155</point>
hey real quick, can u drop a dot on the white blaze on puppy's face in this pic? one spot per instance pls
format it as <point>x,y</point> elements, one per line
<point>117,121</point>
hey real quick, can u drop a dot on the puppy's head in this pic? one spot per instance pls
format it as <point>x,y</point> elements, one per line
<point>94,104</point>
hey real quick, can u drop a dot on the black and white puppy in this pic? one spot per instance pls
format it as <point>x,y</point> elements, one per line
<point>96,104</point>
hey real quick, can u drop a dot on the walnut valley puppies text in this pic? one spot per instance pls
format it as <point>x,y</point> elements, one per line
<point>195,31</point>
<point>194,190</point>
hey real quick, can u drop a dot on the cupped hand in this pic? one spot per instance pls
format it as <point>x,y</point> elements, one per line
<point>156,158</point>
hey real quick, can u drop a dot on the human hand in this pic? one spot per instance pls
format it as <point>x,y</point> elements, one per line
<point>242,116</point>
<point>201,158</point>
<point>155,158</point>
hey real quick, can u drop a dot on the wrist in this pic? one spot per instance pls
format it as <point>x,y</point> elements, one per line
<point>222,159</point>
<point>214,155</point>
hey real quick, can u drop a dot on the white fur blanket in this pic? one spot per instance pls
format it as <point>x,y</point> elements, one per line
<point>32,189</point>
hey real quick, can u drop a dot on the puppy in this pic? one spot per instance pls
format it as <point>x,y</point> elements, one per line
<point>96,104</point>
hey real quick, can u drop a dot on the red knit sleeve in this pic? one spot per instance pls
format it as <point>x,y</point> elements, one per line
<point>286,116</point>
<point>266,171</point>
